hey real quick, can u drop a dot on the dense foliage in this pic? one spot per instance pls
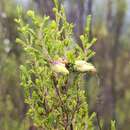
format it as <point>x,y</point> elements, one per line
<point>52,76</point>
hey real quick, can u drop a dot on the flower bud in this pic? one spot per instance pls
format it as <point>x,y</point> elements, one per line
<point>83,66</point>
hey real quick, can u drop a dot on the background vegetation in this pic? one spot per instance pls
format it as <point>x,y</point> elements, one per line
<point>108,94</point>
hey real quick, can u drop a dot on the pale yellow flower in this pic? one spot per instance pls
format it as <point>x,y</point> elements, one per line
<point>59,67</point>
<point>83,66</point>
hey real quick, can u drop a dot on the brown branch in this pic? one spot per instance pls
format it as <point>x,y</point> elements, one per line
<point>65,116</point>
<point>56,89</point>
<point>76,107</point>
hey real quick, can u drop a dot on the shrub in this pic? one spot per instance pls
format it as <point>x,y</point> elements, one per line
<point>52,75</point>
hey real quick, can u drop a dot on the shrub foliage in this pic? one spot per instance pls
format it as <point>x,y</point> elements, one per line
<point>52,75</point>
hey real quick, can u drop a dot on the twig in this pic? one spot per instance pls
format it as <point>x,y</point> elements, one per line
<point>98,121</point>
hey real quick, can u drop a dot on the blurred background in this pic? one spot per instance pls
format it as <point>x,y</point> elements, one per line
<point>108,93</point>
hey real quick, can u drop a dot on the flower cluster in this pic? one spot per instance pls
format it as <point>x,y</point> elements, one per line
<point>78,66</point>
